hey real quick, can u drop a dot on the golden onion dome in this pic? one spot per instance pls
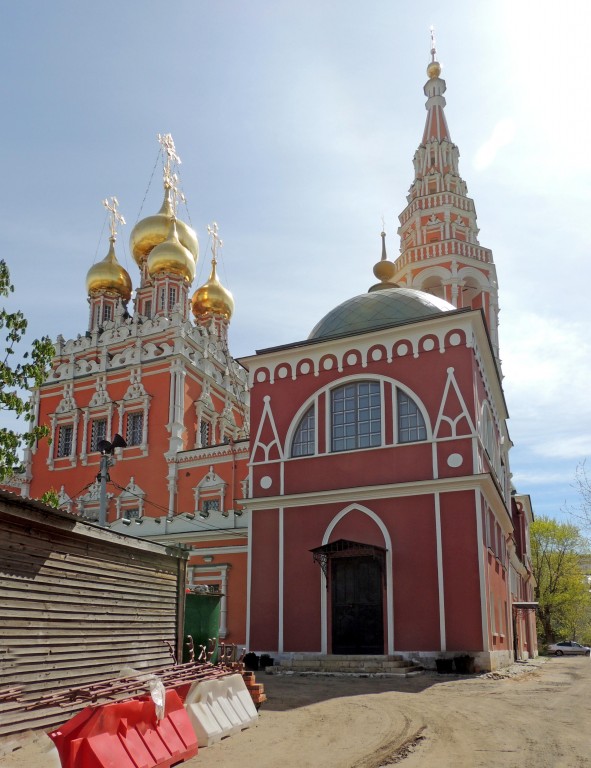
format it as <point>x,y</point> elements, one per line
<point>384,270</point>
<point>171,256</point>
<point>109,276</point>
<point>212,298</point>
<point>433,70</point>
<point>153,230</point>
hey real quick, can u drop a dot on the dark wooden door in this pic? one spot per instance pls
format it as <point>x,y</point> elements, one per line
<point>357,613</point>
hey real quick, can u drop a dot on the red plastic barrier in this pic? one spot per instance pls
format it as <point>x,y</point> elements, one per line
<point>125,734</point>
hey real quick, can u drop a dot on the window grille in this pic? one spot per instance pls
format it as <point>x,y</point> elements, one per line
<point>211,505</point>
<point>135,428</point>
<point>98,433</point>
<point>64,442</point>
<point>356,416</point>
<point>205,433</point>
<point>303,443</point>
<point>411,424</point>
<point>107,312</point>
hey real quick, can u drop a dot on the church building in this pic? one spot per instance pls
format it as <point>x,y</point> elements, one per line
<point>383,519</point>
<point>349,493</point>
<point>163,379</point>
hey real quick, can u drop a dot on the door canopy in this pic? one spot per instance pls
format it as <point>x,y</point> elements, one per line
<point>346,548</point>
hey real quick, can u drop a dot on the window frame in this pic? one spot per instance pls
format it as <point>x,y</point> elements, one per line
<point>306,425</point>
<point>94,438</point>
<point>418,414</point>
<point>59,449</point>
<point>348,419</point>
<point>134,417</point>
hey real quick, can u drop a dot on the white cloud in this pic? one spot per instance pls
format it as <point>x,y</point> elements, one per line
<point>503,133</point>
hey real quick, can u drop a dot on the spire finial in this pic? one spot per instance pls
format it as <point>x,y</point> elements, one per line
<point>434,67</point>
<point>170,175</point>
<point>216,241</point>
<point>433,43</point>
<point>383,236</point>
<point>115,216</point>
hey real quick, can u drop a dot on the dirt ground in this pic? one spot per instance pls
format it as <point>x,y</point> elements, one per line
<point>541,718</point>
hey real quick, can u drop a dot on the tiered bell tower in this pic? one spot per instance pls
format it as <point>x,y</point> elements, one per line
<point>440,252</point>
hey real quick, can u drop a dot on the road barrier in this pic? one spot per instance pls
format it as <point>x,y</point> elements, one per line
<point>219,708</point>
<point>127,734</point>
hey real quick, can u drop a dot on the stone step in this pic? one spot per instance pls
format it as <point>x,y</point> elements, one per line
<point>345,665</point>
<point>334,664</point>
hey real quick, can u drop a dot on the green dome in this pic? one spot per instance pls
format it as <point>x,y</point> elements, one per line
<point>378,309</point>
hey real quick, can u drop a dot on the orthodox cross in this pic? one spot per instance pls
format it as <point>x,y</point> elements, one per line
<point>216,242</point>
<point>171,162</point>
<point>115,216</point>
<point>433,43</point>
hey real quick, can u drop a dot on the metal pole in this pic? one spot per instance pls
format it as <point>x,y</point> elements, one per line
<point>103,490</point>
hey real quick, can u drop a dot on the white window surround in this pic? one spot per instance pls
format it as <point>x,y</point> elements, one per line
<point>205,412</point>
<point>325,391</point>
<point>61,420</point>
<point>210,488</point>
<point>135,399</point>
<point>131,499</point>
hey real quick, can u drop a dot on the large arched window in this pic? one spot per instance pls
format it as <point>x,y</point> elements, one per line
<point>411,424</point>
<point>303,442</point>
<point>356,416</point>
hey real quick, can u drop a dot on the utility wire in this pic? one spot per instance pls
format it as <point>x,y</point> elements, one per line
<point>202,525</point>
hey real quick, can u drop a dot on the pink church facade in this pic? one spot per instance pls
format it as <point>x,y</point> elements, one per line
<point>398,547</point>
<point>383,518</point>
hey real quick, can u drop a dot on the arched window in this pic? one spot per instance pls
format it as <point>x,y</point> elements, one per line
<point>303,442</point>
<point>411,424</point>
<point>356,416</point>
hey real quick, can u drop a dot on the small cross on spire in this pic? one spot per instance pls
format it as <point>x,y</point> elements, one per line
<point>216,242</point>
<point>433,43</point>
<point>115,216</point>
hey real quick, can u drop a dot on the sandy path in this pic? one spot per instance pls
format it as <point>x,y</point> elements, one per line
<point>541,719</point>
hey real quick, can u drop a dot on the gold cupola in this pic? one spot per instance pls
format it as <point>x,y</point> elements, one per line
<point>212,299</point>
<point>109,276</point>
<point>153,230</point>
<point>171,256</point>
<point>384,270</point>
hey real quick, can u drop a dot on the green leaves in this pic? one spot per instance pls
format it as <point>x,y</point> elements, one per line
<point>563,594</point>
<point>18,378</point>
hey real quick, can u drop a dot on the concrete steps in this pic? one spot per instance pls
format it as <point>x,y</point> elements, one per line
<point>317,664</point>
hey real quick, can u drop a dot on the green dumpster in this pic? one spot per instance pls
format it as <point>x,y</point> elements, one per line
<point>202,621</point>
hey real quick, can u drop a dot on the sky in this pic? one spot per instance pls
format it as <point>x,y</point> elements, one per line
<point>296,122</point>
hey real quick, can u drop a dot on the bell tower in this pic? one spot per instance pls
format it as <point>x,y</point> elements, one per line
<point>439,248</point>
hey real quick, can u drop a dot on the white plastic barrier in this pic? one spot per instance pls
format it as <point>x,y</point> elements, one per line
<point>219,708</point>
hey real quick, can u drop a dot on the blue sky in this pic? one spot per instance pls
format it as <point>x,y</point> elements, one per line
<point>296,123</point>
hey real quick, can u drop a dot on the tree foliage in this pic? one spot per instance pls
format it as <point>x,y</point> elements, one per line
<point>562,591</point>
<point>581,512</point>
<point>17,378</point>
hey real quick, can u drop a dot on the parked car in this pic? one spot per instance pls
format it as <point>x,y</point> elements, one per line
<point>569,647</point>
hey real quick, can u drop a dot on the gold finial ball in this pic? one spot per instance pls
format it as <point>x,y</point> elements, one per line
<point>433,70</point>
<point>108,276</point>
<point>170,256</point>
<point>212,299</point>
<point>384,270</point>
<point>153,230</point>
